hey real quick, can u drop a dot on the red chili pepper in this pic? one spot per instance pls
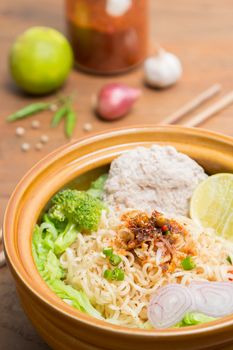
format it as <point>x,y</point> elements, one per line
<point>164,228</point>
<point>230,271</point>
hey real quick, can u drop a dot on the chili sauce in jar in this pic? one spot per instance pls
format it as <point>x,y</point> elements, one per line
<point>107,36</point>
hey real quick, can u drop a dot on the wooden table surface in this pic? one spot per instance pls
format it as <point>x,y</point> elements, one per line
<point>200,32</point>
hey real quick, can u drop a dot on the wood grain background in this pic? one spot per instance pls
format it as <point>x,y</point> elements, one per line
<point>200,32</point>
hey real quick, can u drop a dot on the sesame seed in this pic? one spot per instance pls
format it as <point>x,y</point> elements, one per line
<point>44,138</point>
<point>35,124</point>
<point>19,131</point>
<point>25,147</point>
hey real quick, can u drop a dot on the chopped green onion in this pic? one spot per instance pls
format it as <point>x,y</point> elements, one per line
<point>108,251</point>
<point>118,274</point>
<point>188,263</point>
<point>115,259</point>
<point>229,259</point>
<point>108,274</point>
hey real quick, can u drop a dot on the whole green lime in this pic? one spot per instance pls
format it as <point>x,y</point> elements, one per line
<point>40,60</point>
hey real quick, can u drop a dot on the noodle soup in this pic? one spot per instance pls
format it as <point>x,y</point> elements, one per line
<point>125,250</point>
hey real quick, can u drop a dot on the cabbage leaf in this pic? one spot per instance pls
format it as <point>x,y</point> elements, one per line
<point>48,243</point>
<point>193,319</point>
<point>97,187</point>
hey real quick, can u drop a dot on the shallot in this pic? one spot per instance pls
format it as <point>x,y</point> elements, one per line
<point>115,100</point>
<point>172,302</point>
<point>213,298</point>
<point>169,305</point>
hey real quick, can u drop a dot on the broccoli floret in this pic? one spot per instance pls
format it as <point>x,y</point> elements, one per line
<point>77,207</point>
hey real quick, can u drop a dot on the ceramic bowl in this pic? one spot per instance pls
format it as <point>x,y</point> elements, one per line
<point>77,163</point>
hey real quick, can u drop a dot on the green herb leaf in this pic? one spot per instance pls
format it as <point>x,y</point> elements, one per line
<point>229,259</point>
<point>108,251</point>
<point>188,263</point>
<point>28,111</point>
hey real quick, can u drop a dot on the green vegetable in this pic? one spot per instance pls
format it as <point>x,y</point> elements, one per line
<point>187,263</point>
<point>39,249</point>
<point>76,207</point>
<point>52,269</point>
<point>47,243</point>
<point>61,112</point>
<point>70,122</point>
<point>28,111</point>
<point>108,251</point>
<point>65,239</point>
<point>115,259</point>
<point>97,186</point>
<point>108,274</point>
<point>194,318</point>
<point>78,299</point>
<point>229,259</point>
<point>116,274</point>
<point>52,272</point>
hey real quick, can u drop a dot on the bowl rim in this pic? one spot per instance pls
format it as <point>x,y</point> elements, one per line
<point>210,327</point>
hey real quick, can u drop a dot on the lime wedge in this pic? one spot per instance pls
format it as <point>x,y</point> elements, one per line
<point>212,204</point>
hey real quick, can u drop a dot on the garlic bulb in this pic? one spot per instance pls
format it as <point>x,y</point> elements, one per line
<point>162,70</point>
<point>117,8</point>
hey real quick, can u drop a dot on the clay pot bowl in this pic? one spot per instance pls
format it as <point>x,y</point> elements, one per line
<point>77,163</point>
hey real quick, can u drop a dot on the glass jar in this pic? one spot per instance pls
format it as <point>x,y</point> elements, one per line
<point>107,36</point>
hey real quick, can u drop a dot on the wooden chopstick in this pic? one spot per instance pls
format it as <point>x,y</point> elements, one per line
<point>2,255</point>
<point>193,104</point>
<point>210,111</point>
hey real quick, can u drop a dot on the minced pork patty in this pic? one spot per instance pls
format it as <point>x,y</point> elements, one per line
<point>156,178</point>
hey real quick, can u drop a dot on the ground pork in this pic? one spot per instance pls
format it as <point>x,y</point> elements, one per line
<point>156,178</point>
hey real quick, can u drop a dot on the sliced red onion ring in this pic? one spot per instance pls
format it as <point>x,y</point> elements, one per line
<point>169,305</point>
<point>212,298</point>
